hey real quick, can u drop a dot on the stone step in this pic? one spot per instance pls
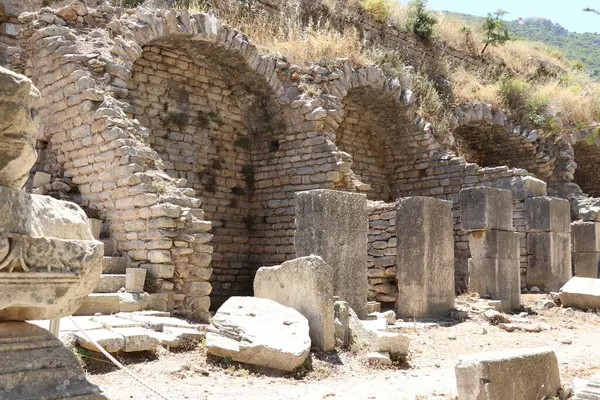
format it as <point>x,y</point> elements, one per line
<point>115,265</point>
<point>110,303</point>
<point>110,283</point>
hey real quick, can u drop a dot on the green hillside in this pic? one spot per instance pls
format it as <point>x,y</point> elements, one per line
<point>576,46</point>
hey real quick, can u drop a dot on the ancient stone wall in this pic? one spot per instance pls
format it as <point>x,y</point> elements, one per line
<point>165,123</point>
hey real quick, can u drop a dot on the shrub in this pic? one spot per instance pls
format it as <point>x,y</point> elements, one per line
<point>495,31</point>
<point>380,10</point>
<point>515,95</point>
<point>419,21</point>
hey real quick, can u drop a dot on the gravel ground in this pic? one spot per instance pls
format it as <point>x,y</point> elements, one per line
<point>429,371</point>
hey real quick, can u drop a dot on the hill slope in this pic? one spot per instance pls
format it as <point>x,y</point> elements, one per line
<point>576,46</point>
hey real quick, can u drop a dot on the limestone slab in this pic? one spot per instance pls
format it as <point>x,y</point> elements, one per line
<point>334,225</point>
<point>548,214</point>
<point>522,187</point>
<point>485,208</point>
<point>494,244</point>
<point>511,374</point>
<point>582,293</point>
<point>424,257</point>
<point>108,340</point>
<point>306,285</point>
<point>177,337</point>
<point>585,236</point>
<point>587,265</point>
<point>260,332</point>
<point>498,277</point>
<point>136,339</point>
<point>549,261</point>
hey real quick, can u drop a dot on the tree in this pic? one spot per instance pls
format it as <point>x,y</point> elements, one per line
<point>494,30</point>
<point>419,21</point>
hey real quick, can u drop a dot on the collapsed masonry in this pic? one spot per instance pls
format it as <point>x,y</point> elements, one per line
<point>191,146</point>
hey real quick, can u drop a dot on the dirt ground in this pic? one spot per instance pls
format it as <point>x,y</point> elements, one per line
<point>574,336</point>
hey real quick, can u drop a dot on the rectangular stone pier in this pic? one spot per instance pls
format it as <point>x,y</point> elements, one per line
<point>548,242</point>
<point>424,257</point>
<point>334,225</point>
<point>585,237</point>
<point>486,213</point>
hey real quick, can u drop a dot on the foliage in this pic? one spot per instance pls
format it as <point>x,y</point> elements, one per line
<point>420,21</point>
<point>515,94</point>
<point>575,46</point>
<point>380,10</point>
<point>494,30</point>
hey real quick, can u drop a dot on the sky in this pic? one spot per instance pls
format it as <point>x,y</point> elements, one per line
<point>568,13</point>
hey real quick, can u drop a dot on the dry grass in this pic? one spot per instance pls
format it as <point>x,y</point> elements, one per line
<point>469,86</point>
<point>298,44</point>
<point>545,89</point>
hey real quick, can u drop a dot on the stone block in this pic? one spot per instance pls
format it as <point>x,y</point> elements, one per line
<point>135,279</point>
<point>109,341</point>
<point>136,339</point>
<point>425,257</point>
<point>582,293</point>
<point>586,265</point>
<point>373,306</point>
<point>522,187</point>
<point>548,214</point>
<point>342,323</point>
<point>498,277</point>
<point>585,236</point>
<point>96,227</point>
<point>485,208</point>
<point>260,332</point>
<point>549,261</point>
<point>334,225</point>
<point>331,210</point>
<point>41,179</point>
<point>306,285</point>
<point>512,374</point>
<point>494,244</point>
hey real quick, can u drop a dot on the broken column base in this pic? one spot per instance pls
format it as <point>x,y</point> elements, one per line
<point>35,364</point>
<point>499,278</point>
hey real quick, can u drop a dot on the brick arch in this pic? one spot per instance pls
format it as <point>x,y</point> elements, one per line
<point>380,129</point>
<point>489,138</point>
<point>212,119</point>
<point>196,33</point>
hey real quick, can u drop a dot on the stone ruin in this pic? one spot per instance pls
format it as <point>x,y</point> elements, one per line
<point>187,146</point>
<point>202,160</point>
<point>49,261</point>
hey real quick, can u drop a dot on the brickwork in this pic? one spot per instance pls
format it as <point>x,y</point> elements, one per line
<point>167,125</point>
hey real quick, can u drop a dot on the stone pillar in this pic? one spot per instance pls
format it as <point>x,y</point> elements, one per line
<point>586,248</point>
<point>548,242</point>
<point>334,225</point>
<point>486,213</point>
<point>522,188</point>
<point>424,257</point>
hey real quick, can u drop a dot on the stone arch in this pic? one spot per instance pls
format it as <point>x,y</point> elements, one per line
<point>488,138</point>
<point>388,141</point>
<point>211,117</point>
<point>586,153</point>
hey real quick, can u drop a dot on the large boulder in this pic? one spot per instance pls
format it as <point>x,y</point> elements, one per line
<point>260,332</point>
<point>306,285</point>
<point>512,374</point>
